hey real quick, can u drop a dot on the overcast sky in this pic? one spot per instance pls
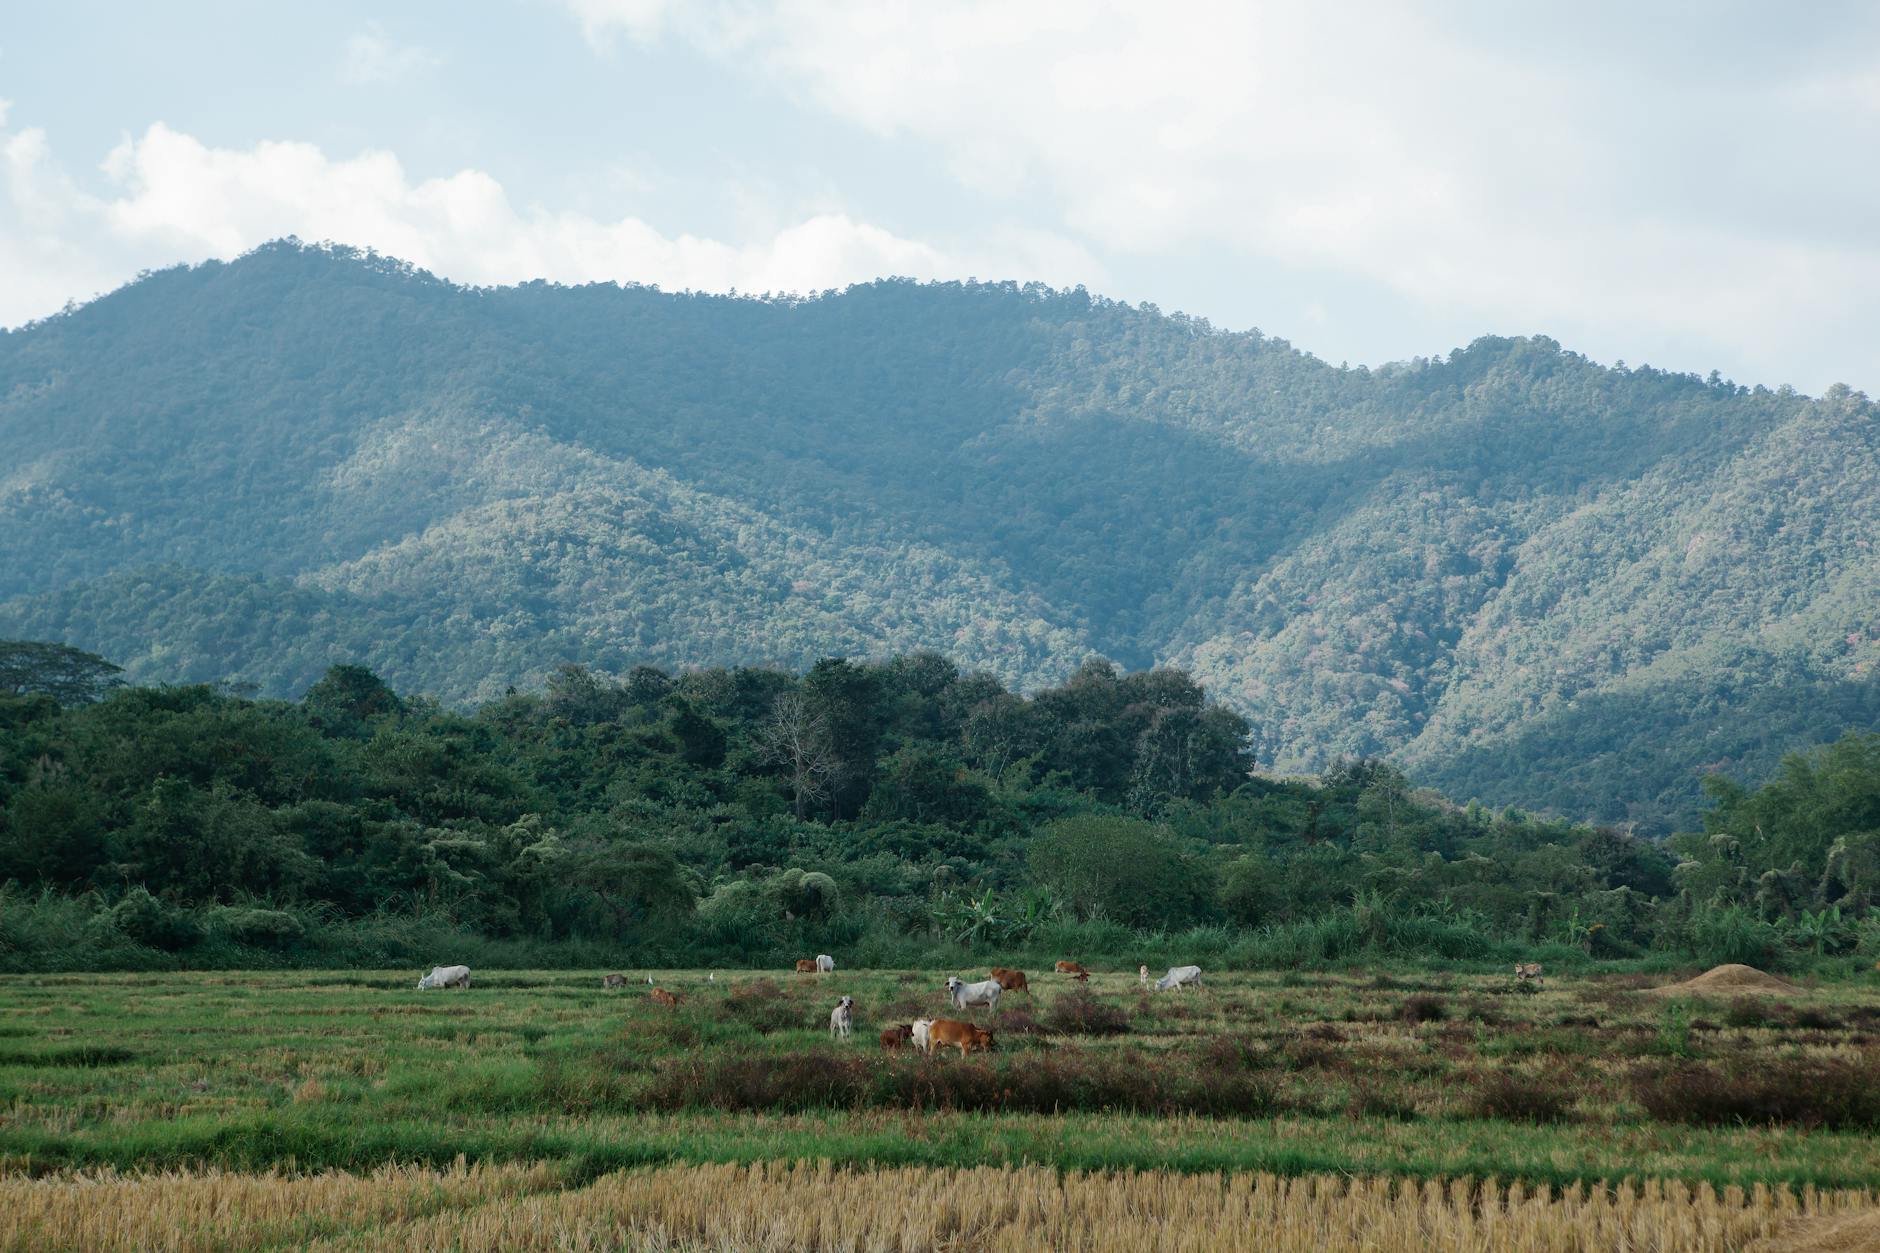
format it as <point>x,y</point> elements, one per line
<point>1692,186</point>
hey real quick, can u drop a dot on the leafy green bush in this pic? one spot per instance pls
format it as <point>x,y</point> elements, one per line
<point>1734,934</point>
<point>260,928</point>
<point>146,920</point>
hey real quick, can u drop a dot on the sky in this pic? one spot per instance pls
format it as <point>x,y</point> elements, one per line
<point>1690,186</point>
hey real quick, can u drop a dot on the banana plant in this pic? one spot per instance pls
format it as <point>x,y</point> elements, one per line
<point>1820,929</point>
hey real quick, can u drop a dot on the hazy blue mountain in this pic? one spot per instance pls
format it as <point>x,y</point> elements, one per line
<point>1532,579</point>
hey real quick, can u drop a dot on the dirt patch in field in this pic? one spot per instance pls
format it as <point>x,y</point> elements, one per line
<point>1730,980</point>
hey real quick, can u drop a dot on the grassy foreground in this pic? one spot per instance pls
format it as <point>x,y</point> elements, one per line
<point>1590,1093</point>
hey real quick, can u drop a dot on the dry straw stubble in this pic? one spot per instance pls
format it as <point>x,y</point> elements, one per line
<point>822,1207</point>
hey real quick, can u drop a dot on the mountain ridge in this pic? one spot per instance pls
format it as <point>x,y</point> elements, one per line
<point>1433,560</point>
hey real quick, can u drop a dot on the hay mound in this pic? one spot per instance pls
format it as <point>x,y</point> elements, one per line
<point>1730,980</point>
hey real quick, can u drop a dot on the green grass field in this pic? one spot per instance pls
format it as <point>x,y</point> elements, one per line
<point>1417,1074</point>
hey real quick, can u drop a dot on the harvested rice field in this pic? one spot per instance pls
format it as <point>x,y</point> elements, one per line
<point>820,1207</point>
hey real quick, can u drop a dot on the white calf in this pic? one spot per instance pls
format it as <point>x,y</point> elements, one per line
<point>842,1018</point>
<point>446,977</point>
<point>919,1029</point>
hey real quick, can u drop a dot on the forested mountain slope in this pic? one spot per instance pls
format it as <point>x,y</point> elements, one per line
<point>1531,578</point>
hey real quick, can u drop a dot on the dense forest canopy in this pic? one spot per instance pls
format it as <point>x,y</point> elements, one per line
<point>1519,575</point>
<point>890,810</point>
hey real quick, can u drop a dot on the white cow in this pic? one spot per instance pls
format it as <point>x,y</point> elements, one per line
<point>967,994</point>
<point>825,964</point>
<point>842,1018</point>
<point>1179,977</point>
<point>1142,975</point>
<point>919,1029</point>
<point>446,977</point>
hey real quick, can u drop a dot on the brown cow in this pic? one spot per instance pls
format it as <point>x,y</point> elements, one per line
<point>806,965</point>
<point>1072,968</point>
<point>613,981</point>
<point>660,996</point>
<point>947,1031</point>
<point>1011,980</point>
<point>894,1039</point>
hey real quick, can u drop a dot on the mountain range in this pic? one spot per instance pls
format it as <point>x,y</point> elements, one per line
<point>1529,578</point>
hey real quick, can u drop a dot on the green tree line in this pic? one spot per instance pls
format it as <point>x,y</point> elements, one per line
<point>891,810</point>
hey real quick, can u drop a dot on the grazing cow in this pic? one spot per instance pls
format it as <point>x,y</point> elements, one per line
<point>1527,970</point>
<point>613,981</point>
<point>946,1033</point>
<point>1075,970</point>
<point>1011,980</point>
<point>825,964</point>
<point>1179,977</point>
<point>842,1018</point>
<point>918,1034</point>
<point>968,994</point>
<point>446,977</point>
<point>660,996</point>
<point>805,966</point>
<point>894,1039</point>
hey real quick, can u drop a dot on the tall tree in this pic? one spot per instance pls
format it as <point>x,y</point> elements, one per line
<point>69,675</point>
<point>796,737</point>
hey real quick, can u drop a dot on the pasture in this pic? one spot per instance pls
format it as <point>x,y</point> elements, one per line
<point>527,1094</point>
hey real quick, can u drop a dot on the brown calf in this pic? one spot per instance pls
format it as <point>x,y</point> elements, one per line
<point>1011,980</point>
<point>894,1039</point>
<point>660,996</point>
<point>1072,968</point>
<point>947,1032</point>
<point>806,965</point>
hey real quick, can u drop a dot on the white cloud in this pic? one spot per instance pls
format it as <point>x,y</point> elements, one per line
<point>372,58</point>
<point>169,197</point>
<point>1625,181</point>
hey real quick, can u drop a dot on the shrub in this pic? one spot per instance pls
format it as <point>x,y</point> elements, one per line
<point>763,1006</point>
<point>144,919</point>
<point>1370,1101</point>
<point>259,928</point>
<point>1734,934</point>
<point>1038,1083</point>
<point>1077,1012</point>
<point>1750,1012</point>
<point>1674,1029</point>
<point>1231,1052</point>
<point>1015,1022</point>
<point>1513,1097</point>
<point>1832,1093</point>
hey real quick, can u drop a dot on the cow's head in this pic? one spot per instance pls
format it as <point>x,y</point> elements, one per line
<point>953,982</point>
